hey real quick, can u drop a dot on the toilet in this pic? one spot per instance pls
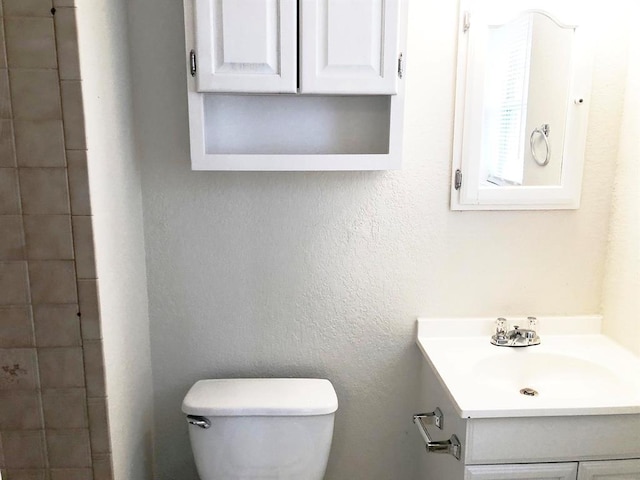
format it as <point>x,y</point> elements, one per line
<point>261,428</point>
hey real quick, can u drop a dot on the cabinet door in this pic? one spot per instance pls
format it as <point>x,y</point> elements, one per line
<point>349,46</point>
<point>534,471</point>
<point>610,470</point>
<point>246,45</point>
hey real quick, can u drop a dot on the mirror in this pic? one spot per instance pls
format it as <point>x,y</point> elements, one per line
<point>525,95</point>
<point>521,106</point>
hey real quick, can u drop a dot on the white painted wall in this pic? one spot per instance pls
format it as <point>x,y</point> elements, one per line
<point>116,200</point>
<point>323,274</point>
<point>622,281</point>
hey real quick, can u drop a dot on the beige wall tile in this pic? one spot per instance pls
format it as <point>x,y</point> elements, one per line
<point>65,408</point>
<point>39,143</point>
<point>18,369</point>
<point>52,281</point>
<point>16,327</point>
<point>24,449</point>
<point>56,325</point>
<point>41,8</point>
<point>7,148</point>
<point>102,467</point>
<point>61,367</point>
<point>71,474</point>
<point>84,248</point>
<point>21,410</point>
<point>78,182</point>
<point>30,42</point>
<point>3,55</point>
<point>94,368</point>
<point>27,474</point>
<point>9,193</point>
<point>73,114</point>
<point>69,448</point>
<point>44,191</point>
<point>12,246</point>
<point>67,44</point>
<point>89,309</point>
<point>35,141</point>
<point>14,283</point>
<point>5,96</point>
<point>99,425</point>
<point>48,237</point>
<point>35,94</point>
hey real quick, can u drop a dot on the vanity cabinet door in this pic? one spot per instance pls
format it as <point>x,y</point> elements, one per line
<point>610,470</point>
<point>534,471</point>
<point>246,46</point>
<point>349,46</point>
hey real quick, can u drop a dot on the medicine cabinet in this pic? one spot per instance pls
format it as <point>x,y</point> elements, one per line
<point>295,84</point>
<point>522,100</point>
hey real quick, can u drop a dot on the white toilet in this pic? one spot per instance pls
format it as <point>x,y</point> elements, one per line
<point>261,428</point>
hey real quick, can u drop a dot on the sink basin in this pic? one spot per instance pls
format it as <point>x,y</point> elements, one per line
<point>574,371</point>
<point>550,375</point>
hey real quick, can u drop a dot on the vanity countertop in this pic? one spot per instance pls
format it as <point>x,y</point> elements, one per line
<point>575,370</point>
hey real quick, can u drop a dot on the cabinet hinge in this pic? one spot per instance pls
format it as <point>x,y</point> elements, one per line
<point>192,63</point>
<point>466,21</point>
<point>457,183</point>
<point>400,67</point>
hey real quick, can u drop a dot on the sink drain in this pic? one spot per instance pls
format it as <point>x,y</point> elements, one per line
<point>529,392</point>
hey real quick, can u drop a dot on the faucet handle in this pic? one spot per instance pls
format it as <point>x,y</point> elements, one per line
<point>500,337</point>
<point>533,323</point>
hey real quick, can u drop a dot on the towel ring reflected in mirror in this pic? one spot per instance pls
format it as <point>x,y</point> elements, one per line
<point>543,132</point>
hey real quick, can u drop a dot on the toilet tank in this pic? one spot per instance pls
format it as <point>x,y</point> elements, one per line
<point>259,428</point>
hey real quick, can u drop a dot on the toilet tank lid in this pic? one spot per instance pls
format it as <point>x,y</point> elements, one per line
<point>261,397</point>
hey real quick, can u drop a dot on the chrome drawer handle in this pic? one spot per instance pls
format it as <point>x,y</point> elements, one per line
<point>436,418</point>
<point>201,422</point>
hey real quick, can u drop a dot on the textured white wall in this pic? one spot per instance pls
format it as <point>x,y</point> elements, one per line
<point>116,201</point>
<point>622,284</point>
<point>323,274</point>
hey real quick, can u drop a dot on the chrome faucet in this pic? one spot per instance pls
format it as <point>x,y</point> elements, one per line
<point>517,337</point>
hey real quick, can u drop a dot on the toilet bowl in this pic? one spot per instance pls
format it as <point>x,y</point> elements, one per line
<point>261,428</point>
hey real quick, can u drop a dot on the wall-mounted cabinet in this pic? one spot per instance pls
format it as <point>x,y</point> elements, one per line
<point>349,46</point>
<point>295,85</point>
<point>246,45</point>
<point>522,101</point>
<point>346,46</point>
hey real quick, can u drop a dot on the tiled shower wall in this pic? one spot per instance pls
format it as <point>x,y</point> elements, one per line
<point>53,421</point>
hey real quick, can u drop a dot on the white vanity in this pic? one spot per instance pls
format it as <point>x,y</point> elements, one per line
<point>568,408</point>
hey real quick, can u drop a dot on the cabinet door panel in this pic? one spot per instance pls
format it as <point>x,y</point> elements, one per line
<point>349,46</point>
<point>246,45</point>
<point>610,470</point>
<point>534,471</point>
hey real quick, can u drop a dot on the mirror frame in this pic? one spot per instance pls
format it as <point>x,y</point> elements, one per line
<point>475,18</point>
